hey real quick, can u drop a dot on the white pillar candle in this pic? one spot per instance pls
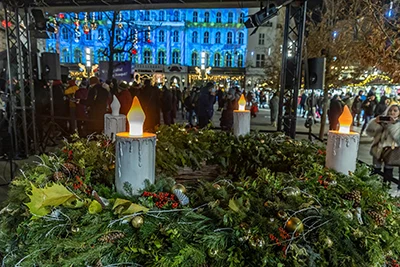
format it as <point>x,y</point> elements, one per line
<point>115,106</point>
<point>114,124</point>
<point>341,151</point>
<point>241,122</point>
<point>135,161</point>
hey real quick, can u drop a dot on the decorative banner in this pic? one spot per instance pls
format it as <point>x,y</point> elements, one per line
<point>122,70</point>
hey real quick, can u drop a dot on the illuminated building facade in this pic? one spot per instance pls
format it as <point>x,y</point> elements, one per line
<point>177,45</point>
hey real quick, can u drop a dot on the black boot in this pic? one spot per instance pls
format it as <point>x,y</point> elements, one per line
<point>387,176</point>
<point>376,171</point>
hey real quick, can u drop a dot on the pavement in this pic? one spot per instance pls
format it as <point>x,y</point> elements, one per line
<point>260,123</point>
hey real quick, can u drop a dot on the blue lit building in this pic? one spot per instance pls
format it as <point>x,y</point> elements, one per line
<point>167,44</point>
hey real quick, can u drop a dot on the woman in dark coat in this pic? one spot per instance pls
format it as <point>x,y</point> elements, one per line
<point>227,112</point>
<point>335,110</point>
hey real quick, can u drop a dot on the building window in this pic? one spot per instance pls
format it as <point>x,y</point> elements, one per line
<point>194,37</point>
<point>260,59</point>
<point>228,60</point>
<point>100,35</point>
<point>229,38</point>
<point>218,19</point>
<point>176,16</point>
<point>218,38</point>
<point>161,57</point>
<point>241,18</point>
<point>175,57</point>
<point>194,59</point>
<point>65,56</point>
<point>146,15</point>
<point>207,59</point>
<point>64,33</point>
<point>206,37</point>
<point>88,36</point>
<point>100,55</point>
<point>195,16</point>
<point>118,36</point>
<point>161,16</point>
<point>99,15</point>
<point>261,39</point>
<point>175,37</point>
<point>241,38</point>
<point>161,37</point>
<point>147,57</point>
<point>77,56</point>
<point>230,17</point>
<point>217,60</point>
<point>207,17</point>
<point>240,61</point>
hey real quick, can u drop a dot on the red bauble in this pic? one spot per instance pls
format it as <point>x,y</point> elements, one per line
<point>61,16</point>
<point>134,51</point>
<point>148,40</point>
<point>76,23</point>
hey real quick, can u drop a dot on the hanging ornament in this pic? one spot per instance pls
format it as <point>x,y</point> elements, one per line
<point>294,225</point>
<point>148,41</point>
<point>86,29</point>
<point>179,187</point>
<point>137,221</point>
<point>4,24</point>
<point>93,25</point>
<point>349,215</point>
<point>134,51</point>
<point>61,16</point>
<point>120,25</point>
<point>76,23</point>
<point>217,186</point>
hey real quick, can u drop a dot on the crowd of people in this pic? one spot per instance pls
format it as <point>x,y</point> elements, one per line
<point>81,106</point>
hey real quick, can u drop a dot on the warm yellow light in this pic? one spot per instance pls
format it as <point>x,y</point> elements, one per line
<point>345,120</point>
<point>242,103</point>
<point>136,118</point>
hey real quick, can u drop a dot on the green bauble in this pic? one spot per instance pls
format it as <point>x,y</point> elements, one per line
<point>349,215</point>
<point>137,222</point>
<point>180,187</point>
<point>95,207</point>
<point>294,225</point>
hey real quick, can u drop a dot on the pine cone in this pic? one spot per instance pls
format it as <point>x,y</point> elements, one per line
<point>58,176</point>
<point>355,196</point>
<point>70,169</point>
<point>377,217</point>
<point>111,237</point>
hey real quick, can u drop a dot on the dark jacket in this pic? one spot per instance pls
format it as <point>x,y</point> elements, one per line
<point>125,99</point>
<point>369,109</point>
<point>205,103</point>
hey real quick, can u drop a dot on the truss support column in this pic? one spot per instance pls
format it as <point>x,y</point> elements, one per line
<point>293,38</point>
<point>20,80</point>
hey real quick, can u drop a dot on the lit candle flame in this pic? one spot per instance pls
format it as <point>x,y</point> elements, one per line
<point>136,118</point>
<point>242,103</point>
<point>345,120</point>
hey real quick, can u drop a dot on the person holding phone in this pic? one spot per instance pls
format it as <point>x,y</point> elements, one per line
<point>385,130</point>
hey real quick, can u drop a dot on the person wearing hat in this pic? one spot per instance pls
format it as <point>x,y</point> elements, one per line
<point>97,104</point>
<point>124,97</point>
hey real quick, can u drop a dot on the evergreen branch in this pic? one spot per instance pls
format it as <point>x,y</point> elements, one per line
<point>18,263</point>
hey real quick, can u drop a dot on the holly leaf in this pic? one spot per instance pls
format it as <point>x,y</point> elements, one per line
<point>36,204</point>
<point>234,204</point>
<point>120,201</point>
<point>56,195</point>
<point>133,208</point>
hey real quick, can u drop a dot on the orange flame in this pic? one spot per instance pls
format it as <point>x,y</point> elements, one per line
<point>345,120</point>
<point>242,103</point>
<point>136,118</point>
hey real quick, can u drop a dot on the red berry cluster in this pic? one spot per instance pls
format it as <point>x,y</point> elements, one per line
<point>80,185</point>
<point>323,182</point>
<point>321,152</point>
<point>162,199</point>
<point>69,153</point>
<point>392,263</point>
<point>283,234</point>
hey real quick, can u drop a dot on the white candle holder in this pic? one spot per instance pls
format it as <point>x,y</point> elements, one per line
<point>135,162</point>
<point>241,122</point>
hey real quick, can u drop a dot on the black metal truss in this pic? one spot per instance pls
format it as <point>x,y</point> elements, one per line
<point>20,80</point>
<point>293,38</point>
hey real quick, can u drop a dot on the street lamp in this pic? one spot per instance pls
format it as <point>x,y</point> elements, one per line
<point>183,81</point>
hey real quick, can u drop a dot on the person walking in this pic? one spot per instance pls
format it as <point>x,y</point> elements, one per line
<point>335,110</point>
<point>356,108</point>
<point>274,106</point>
<point>386,133</point>
<point>124,97</point>
<point>205,105</point>
<point>368,106</point>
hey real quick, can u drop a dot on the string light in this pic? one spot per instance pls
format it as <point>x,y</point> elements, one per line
<point>93,25</point>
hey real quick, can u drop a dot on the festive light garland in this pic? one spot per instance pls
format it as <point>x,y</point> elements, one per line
<point>371,78</point>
